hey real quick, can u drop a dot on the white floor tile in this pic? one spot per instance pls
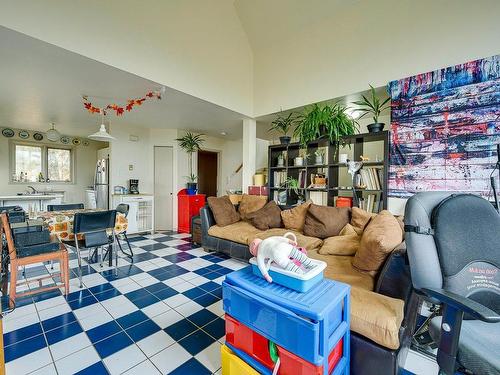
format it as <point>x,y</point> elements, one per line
<point>144,243</point>
<point>47,370</point>
<point>124,359</point>
<point>160,262</point>
<point>19,322</point>
<point>171,358</point>
<point>54,311</point>
<point>119,306</point>
<point>90,310</point>
<point>232,264</point>
<point>146,265</point>
<point>51,302</point>
<point>199,280</point>
<point>176,242</point>
<point>155,343</point>
<point>130,287</point>
<point>140,276</point>
<point>163,252</point>
<point>182,287</point>
<point>190,265</point>
<point>93,280</point>
<point>167,319</point>
<point>155,309</point>
<point>199,252</point>
<point>216,308</point>
<point>219,280</point>
<point>71,345</point>
<point>29,363</point>
<point>147,281</point>
<point>189,276</point>
<point>181,235</point>
<point>77,361</point>
<point>173,281</point>
<point>210,357</point>
<point>202,262</point>
<point>188,308</point>
<point>176,300</point>
<point>95,320</point>
<point>143,368</point>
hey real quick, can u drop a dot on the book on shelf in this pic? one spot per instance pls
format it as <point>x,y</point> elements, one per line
<point>371,203</point>
<point>302,180</point>
<point>280,197</point>
<point>371,177</point>
<point>279,178</point>
<point>319,197</point>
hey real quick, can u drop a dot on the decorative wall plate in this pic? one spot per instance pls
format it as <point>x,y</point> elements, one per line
<point>76,141</point>
<point>64,140</point>
<point>37,136</point>
<point>85,142</point>
<point>8,132</point>
<point>23,134</point>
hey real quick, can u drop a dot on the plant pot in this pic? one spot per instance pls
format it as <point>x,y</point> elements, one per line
<point>192,188</point>
<point>281,162</point>
<point>285,139</point>
<point>298,161</point>
<point>376,127</point>
<point>318,160</point>
<point>323,131</point>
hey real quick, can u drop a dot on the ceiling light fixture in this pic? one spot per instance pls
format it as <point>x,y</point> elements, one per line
<point>102,134</point>
<point>223,134</point>
<point>52,134</point>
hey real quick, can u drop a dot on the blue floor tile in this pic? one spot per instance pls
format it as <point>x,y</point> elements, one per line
<point>202,317</point>
<point>145,301</point>
<point>138,238</point>
<point>46,295</point>
<point>206,300</point>
<point>23,348</point>
<point>180,329</point>
<point>78,295</point>
<point>155,287</point>
<point>112,344</point>
<point>156,246</point>
<point>97,368</point>
<point>101,288</point>
<point>165,293</point>
<point>110,293</point>
<point>209,286</point>
<point>212,275</point>
<point>58,321</point>
<point>137,294</point>
<point>101,332</point>
<point>143,330</point>
<point>216,329</point>
<point>217,292</point>
<point>194,292</point>
<point>22,334</point>
<point>196,342</point>
<point>83,302</point>
<point>62,333</point>
<point>132,319</point>
<point>191,367</point>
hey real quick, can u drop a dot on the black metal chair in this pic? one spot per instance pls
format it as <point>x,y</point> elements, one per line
<point>123,208</point>
<point>62,207</point>
<point>454,253</point>
<point>95,227</point>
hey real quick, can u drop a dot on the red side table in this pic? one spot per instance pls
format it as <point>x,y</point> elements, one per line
<point>188,206</point>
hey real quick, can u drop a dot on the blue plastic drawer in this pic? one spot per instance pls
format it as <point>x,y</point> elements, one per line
<point>307,324</point>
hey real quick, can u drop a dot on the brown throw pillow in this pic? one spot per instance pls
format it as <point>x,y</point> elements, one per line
<point>223,210</point>
<point>295,218</point>
<point>360,219</point>
<point>340,245</point>
<point>267,217</point>
<point>324,221</point>
<point>379,238</point>
<point>251,203</point>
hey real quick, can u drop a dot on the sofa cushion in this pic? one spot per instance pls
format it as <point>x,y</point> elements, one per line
<point>309,243</point>
<point>324,221</point>
<point>379,238</point>
<point>360,218</point>
<point>294,218</point>
<point>340,245</point>
<point>223,210</point>
<point>267,217</point>
<point>373,315</point>
<point>251,203</point>
<point>239,232</point>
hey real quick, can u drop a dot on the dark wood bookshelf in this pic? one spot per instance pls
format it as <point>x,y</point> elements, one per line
<point>331,167</point>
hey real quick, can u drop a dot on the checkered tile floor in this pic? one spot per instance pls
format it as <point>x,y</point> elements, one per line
<point>160,314</point>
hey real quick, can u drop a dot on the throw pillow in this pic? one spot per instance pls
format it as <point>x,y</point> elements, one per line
<point>251,203</point>
<point>379,238</point>
<point>340,245</point>
<point>294,218</point>
<point>324,221</point>
<point>267,217</point>
<point>360,219</point>
<point>223,210</point>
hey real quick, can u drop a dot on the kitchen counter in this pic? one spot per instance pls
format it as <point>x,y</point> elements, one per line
<point>132,195</point>
<point>38,202</point>
<point>29,197</point>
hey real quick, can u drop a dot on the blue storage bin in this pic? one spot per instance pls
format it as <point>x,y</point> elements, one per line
<point>296,281</point>
<point>307,324</point>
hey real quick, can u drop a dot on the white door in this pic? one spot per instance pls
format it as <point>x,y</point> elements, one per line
<point>164,187</point>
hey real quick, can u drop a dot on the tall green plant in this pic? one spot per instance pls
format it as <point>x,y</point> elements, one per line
<point>191,143</point>
<point>331,121</point>
<point>283,124</point>
<point>372,106</point>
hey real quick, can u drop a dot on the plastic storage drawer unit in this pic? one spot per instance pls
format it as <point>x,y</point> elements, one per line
<point>309,325</point>
<point>241,338</point>
<point>233,365</point>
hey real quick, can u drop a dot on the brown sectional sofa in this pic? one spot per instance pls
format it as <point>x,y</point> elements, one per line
<point>382,309</point>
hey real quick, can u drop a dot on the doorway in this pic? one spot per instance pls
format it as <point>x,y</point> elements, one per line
<point>164,187</point>
<point>208,165</point>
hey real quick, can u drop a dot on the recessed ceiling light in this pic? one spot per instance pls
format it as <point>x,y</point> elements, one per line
<point>223,133</point>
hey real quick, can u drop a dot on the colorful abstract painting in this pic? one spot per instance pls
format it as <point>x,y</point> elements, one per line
<point>445,125</point>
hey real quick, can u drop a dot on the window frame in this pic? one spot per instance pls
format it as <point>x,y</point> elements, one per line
<point>44,151</point>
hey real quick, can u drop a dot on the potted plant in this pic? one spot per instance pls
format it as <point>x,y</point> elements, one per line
<point>282,124</point>
<point>191,143</point>
<point>281,159</point>
<point>299,160</point>
<point>292,184</point>
<point>319,154</point>
<point>374,107</point>
<point>330,121</point>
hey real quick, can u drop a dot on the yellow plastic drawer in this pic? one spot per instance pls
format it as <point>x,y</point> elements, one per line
<point>233,365</point>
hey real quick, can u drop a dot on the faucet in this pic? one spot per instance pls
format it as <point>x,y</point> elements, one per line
<point>33,190</point>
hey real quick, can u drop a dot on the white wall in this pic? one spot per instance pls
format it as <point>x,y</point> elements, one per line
<point>195,46</point>
<point>371,42</point>
<point>85,161</point>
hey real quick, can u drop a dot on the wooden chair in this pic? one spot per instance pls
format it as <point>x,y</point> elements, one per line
<point>60,255</point>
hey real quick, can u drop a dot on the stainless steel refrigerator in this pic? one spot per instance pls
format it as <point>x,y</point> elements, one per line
<point>101,184</point>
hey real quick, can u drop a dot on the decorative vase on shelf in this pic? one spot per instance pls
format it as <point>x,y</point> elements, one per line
<point>192,188</point>
<point>319,160</point>
<point>298,161</point>
<point>376,127</point>
<point>281,161</point>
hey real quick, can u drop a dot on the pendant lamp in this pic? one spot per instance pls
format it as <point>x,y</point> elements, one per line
<point>102,134</point>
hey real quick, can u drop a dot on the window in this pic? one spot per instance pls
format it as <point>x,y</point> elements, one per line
<point>29,160</point>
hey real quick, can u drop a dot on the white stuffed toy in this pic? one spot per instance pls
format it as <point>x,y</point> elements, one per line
<point>282,250</point>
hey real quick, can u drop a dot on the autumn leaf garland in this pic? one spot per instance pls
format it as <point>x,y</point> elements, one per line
<point>119,110</point>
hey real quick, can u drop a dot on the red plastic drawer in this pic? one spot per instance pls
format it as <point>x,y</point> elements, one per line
<point>257,346</point>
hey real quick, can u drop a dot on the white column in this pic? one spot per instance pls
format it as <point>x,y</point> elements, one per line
<point>249,153</point>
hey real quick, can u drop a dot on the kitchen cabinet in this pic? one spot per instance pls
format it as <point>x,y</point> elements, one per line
<point>141,211</point>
